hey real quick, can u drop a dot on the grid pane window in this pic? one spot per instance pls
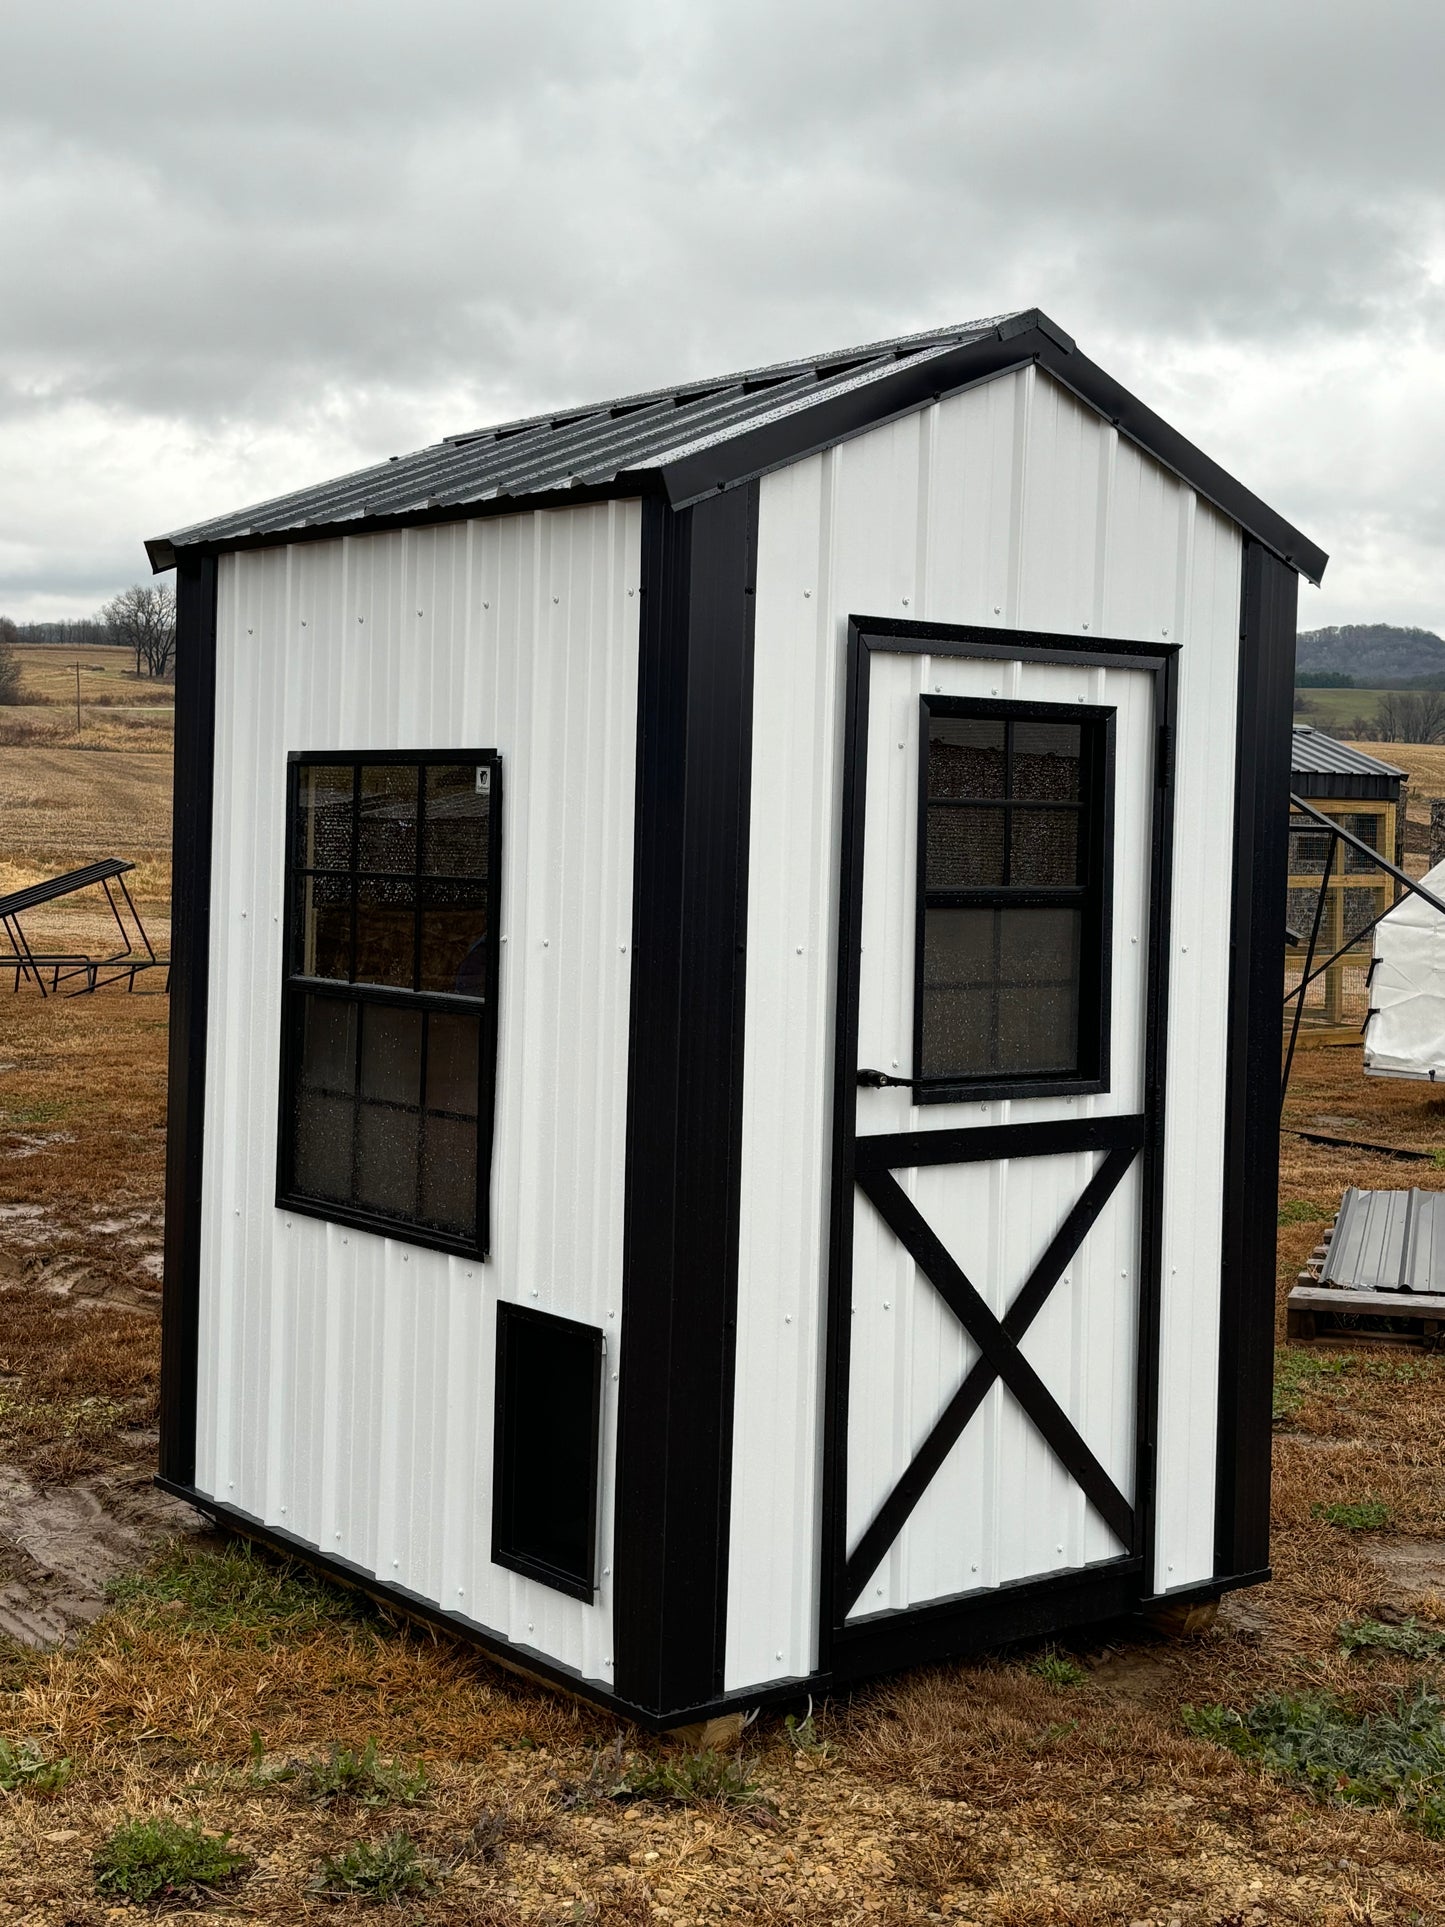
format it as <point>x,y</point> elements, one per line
<point>391,992</point>
<point>1013,882</point>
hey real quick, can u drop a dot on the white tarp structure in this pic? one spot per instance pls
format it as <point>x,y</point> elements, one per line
<point>1405,1030</point>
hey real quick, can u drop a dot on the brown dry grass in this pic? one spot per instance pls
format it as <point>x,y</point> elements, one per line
<point>975,1792</point>
<point>107,676</point>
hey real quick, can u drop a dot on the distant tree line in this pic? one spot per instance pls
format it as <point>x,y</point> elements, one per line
<point>141,620</point>
<point>1411,716</point>
<point>9,664</point>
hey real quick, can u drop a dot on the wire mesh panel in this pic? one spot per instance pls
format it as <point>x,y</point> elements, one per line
<point>1334,901</point>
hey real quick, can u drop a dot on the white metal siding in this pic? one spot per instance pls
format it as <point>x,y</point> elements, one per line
<point>346,1378</point>
<point>1012,506</point>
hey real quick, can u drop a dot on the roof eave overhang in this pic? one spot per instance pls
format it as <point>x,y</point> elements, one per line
<point>165,552</point>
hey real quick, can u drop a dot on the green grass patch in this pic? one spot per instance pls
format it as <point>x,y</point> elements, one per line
<point>1391,1758</point>
<point>236,1589</point>
<point>1058,1669</point>
<point>163,1859</point>
<point>25,1769</point>
<point>1304,1211</point>
<point>708,1778</point>
<point>22,1116</point>
<point>343,1776</point>
<point>1298,1372</point>
<point>1359,1515</point>
<point>1408,1640</point>
<point>383,1870</point>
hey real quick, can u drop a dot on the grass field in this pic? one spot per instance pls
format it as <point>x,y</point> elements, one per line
<point>107,677</point>
<point>1034,1789</point>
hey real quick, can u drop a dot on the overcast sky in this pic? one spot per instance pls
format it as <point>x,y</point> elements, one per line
<point>243,248</point>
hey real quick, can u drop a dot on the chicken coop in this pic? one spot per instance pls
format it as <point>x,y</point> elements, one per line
<point>709,1154</point>
<point>1336,892</point>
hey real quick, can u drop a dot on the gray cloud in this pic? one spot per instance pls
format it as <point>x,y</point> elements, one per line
<point>245,248</point>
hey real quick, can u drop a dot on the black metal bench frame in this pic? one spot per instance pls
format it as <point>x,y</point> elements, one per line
<point>63,967</point>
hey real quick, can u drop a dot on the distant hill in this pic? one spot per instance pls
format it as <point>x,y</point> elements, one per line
<point>1374,653</point>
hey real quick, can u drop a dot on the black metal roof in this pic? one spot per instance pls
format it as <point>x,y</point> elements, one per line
<point>701,436</point>
<point>1321,766</point>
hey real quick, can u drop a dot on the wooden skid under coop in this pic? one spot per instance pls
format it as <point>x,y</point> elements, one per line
<point>1326,1311</point>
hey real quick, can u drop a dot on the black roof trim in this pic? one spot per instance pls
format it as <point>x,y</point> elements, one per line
<point>700,437</point>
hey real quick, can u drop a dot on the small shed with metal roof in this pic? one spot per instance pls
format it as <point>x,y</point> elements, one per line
<point>707,1154</point>
<point>1367,798</point>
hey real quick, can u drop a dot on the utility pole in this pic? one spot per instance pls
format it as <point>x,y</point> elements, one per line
<point>77,699</point>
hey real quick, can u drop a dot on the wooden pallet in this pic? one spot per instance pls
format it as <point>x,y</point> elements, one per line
<point>1328,1311</point>
<point>1316,1310</point>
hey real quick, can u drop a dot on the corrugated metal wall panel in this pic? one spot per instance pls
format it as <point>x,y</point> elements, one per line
<point>1010,506</point>
<point>346,1384</point>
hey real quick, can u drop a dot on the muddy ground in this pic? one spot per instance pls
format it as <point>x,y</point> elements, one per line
<point>996,1792</point>
<point>1032,1788</point>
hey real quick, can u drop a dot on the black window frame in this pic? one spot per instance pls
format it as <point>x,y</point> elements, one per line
<point>1095,898</point>
<point>296,987</point>
<point>507,1441</point>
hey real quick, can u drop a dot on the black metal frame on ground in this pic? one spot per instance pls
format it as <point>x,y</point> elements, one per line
<point>1311,971</point>
<point>866,1164</point>
<point>63,967</point>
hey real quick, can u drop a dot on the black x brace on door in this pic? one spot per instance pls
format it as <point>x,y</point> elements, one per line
<point>868,1164</point>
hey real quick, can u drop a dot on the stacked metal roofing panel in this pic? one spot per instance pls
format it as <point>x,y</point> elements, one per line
<point>1388,1241</point>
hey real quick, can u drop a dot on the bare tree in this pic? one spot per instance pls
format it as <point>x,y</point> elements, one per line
<point>9,662</point>
<point>1412,716</point>
<point>143,619</point>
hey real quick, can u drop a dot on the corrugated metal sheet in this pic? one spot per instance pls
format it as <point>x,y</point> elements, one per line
<point>1016,507</point>
<point>346,1379</point>
<point>1388,1241</point>
<point>1314,753</point>
<point>580,447</point>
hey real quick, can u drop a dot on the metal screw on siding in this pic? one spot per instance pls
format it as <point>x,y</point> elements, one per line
<point>361,618</point>
<point>250,632</point>
<point>1086,624</point>
<point>303,622</point>
<point>418,611</point>
<point>607,1572</point>
<point>1164,632</point>
<point>886,1305</point>
<point>530,1627</point>
<point>905,602</point>
<point>556,598</point>
<point>807,593</point>
<point>997,611</point>
<point>486,605</point>
<point>787,1315</point>
<point>778,1655</point>
<point>607,1662</point>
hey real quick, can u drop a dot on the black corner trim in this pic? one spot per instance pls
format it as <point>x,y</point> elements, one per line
<point>190,966</point>
<point>684,1104</point>
<point>1255,1025</point>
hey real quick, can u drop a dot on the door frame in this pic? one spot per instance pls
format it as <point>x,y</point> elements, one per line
<point>911,1635</point>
